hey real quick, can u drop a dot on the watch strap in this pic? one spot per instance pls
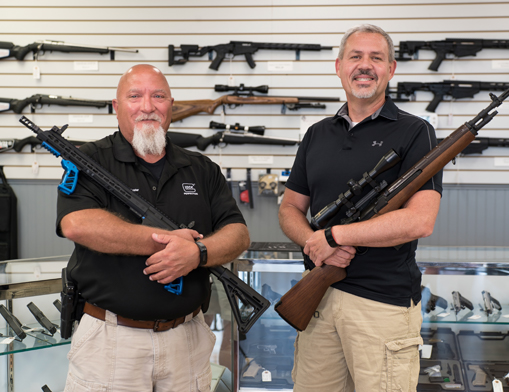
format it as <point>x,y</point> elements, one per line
<point>330,238</point>
<point>203,253</point>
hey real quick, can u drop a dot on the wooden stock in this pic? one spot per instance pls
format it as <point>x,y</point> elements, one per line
<point>299,304</point>
<point>184,109</point>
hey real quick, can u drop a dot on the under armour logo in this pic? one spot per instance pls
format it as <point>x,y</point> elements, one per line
<point>375,143</point>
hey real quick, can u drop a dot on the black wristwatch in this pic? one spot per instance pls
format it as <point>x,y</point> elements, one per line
<point>330,238</point>
<point>203,253</point>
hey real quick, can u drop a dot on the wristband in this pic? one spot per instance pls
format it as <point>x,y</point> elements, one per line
<point>203,253</point>
<point>330,238</point>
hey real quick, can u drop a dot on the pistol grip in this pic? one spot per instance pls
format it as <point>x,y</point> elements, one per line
<point>68,184</point>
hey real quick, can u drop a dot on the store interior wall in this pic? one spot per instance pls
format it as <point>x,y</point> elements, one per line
<point>473,210</point>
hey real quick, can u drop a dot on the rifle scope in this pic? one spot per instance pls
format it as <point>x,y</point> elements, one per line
<point>320,220</point>
<point>264,89</point>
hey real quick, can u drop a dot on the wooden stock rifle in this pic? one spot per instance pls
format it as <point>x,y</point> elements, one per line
<point>244,96</point>
<point>299,304</point>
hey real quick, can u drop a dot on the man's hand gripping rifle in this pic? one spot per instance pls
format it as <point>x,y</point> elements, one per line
<point>252,304</point>
<point>298,305</point>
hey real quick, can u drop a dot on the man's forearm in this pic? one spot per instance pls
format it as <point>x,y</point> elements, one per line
<point>416,220</point>
<point>226,244</point>
<point>105,232</point>
<point>294,224</point>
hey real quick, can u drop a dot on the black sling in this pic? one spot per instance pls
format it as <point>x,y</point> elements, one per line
<point>8,220</point>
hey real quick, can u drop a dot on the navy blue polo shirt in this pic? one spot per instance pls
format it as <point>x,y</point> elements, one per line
<point>191,189</point>
<point>333,152</point>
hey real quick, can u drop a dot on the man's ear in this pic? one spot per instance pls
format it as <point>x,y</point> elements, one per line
<point>338,63</point>
<point>392,69</point>
<point>114,103</point>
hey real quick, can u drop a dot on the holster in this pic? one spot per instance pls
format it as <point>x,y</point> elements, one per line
<point>72,305</point>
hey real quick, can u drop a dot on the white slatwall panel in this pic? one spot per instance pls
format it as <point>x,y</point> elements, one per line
<point>151,27</point>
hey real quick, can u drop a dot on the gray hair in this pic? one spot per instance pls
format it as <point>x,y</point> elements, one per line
<point>367,28</point>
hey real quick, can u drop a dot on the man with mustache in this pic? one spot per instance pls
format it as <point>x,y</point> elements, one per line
<point>134,334</point>
<point>366,332</point>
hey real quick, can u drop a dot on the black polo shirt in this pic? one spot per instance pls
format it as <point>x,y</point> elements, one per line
<point>191,189</point>
<point>333,152</point>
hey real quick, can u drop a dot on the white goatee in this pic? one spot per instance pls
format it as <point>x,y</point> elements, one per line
<point>148,140</point>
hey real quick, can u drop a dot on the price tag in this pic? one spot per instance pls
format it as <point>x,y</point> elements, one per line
<point>7,340</point>
<point>426,350</point>
<point>35,167</point>
<point>497,386</point>
<point>36,72</point>
<point>266,376</point>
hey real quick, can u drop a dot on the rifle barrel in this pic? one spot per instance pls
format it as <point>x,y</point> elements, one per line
<point>106,48</point>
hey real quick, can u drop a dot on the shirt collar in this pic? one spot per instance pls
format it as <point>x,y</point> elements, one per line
<point>388,110</point>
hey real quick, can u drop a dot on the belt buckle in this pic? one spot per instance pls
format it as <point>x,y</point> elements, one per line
<point>158,323</point>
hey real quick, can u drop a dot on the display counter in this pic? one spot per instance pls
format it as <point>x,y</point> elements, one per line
<point>460,339</point>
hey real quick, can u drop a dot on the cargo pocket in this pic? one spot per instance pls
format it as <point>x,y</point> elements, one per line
<point>204,380</point>
<point>401,363</point>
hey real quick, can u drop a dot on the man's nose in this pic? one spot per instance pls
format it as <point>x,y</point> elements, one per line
<point>366,63</point>
<point>147,105</point>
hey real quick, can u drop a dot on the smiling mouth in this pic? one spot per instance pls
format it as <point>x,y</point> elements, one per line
<point>363,79</point>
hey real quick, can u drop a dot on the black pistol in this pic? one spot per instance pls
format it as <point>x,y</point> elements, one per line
<point>460,302</point>
<point>42,319</point>
<point>430,301</point>
<point>13,322</point>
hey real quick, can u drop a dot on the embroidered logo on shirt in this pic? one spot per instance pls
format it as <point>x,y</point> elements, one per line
<point>135,190</point>
<point>189,188</point>
<point>377,144</point>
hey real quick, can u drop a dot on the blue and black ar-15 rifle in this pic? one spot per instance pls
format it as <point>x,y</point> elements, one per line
<point>252,304</point>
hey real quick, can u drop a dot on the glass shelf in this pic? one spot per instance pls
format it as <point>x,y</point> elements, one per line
<point>35,339</point>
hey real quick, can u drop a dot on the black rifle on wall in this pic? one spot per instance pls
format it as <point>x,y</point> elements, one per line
<point>459,47</point>
<point>225,137</point>
<point>18,144</point>
<point>37,100</point>
<point>456,89</point>
<point>479,144</point>
<point>234,48</point>
<point>243,95</point>
<point>8,49</point>
<point>252,304</point>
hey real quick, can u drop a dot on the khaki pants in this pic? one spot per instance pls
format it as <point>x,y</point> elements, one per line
<point>358,344</point>
<point>106,357</point>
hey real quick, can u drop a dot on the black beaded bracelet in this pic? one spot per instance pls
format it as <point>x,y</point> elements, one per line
<point>330,238</point>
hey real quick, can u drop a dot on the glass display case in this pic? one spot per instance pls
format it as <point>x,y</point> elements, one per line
<point>465,318</point>
<point>25,281</point>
